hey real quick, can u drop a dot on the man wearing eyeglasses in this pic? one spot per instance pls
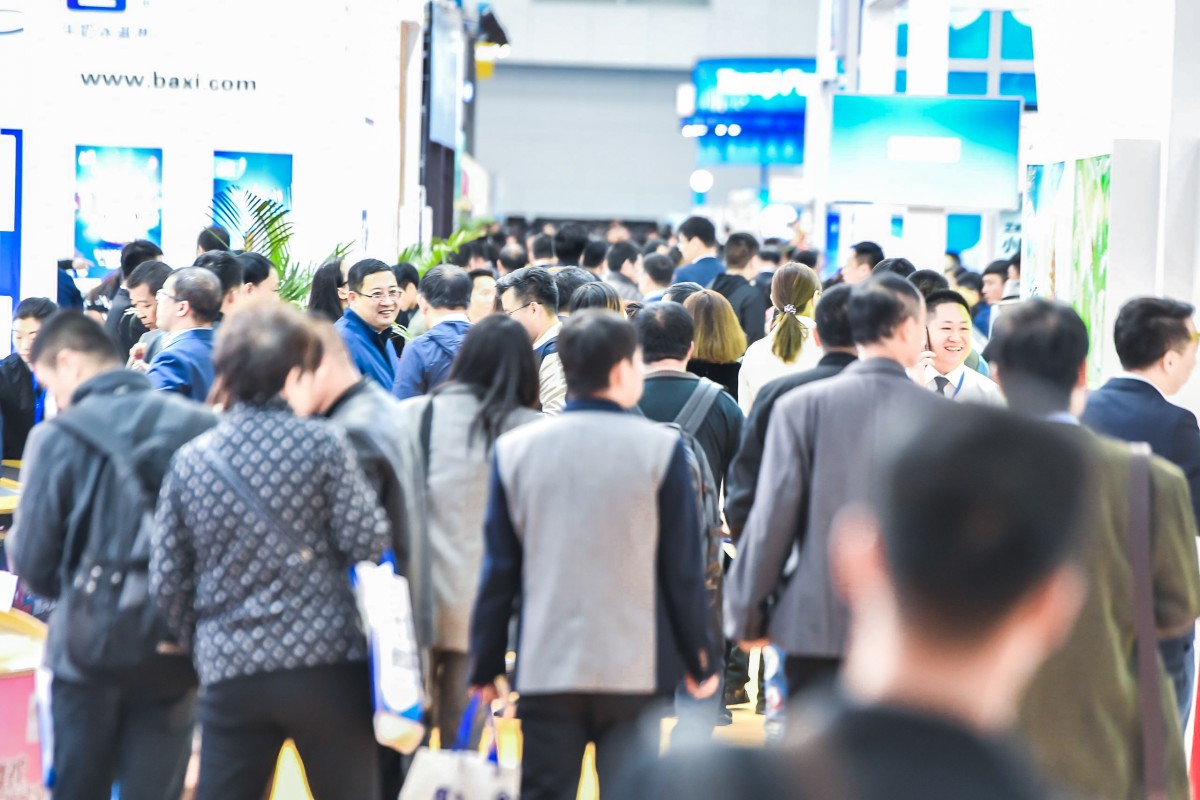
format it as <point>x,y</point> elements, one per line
<point>366,326</point>
<point>188,302</point>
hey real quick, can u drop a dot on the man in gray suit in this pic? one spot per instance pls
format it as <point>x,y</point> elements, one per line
<point>821,444</point>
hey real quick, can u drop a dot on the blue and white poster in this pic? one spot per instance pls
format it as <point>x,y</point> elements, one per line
<point>118,198</point>
<point>239,176</point>
<point>11,144</point>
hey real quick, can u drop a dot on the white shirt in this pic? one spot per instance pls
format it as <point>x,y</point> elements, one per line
<point>760,366</point>
<point>551,378</point>
<point>968,386</point>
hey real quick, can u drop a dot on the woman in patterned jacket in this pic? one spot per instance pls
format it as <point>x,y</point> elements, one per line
<point>258,521</point>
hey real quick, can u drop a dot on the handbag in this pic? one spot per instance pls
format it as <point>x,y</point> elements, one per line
<point>1154,752</point>
<point>459,772</point>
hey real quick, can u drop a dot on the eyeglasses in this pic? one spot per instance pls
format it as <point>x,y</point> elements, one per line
<point>518,308</point>
<point>161,293</point>
<point>379,297</point>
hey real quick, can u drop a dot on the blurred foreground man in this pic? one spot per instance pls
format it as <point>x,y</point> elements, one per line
<point>612,607</point>
<point>954,605</point>
<point>1081,715</point>
<point>133,725</point>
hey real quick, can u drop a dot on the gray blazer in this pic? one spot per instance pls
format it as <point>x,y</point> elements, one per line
<point>823,442</point>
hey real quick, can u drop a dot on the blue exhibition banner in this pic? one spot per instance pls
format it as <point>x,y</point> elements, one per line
<point>239,176</point>
<point>735,85</point>
<point>118,198</point>
<point>11,159</point>
<point>938,152</point>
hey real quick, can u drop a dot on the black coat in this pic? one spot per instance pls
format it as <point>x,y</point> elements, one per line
<point>17,404</point>
<point>747,301</point>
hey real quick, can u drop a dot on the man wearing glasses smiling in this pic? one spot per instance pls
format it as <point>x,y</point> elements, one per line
<point>366,326</point>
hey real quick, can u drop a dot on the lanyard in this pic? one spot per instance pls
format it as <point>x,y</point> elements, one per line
<point>961,378</point>
<point>39,402</point>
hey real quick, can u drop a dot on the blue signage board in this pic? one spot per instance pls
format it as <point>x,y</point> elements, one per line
<point>743,85</point>
<point>118,198</point>
<point>942,152</point>
<point>266,176</point>
<point>11,152</point>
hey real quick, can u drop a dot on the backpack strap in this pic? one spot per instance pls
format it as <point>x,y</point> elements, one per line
<point>696,409</point>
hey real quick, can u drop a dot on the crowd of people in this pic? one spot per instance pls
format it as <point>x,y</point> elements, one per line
<point>655,457</point>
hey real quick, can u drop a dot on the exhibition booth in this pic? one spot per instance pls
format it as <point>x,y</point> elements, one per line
<point>129,115</point>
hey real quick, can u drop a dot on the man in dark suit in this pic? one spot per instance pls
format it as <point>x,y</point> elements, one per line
<point>1081,714</point>
<point>1156,342</point>
<point>820,445</point>
<point>187,305</point>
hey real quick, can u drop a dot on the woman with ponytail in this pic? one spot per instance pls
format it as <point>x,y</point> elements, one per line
<point>790,345</point>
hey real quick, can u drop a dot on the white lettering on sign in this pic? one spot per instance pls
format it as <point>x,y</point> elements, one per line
<point>924,149</point>
<point>733,83</point>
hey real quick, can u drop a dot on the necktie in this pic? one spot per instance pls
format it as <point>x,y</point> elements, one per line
<point>941,384</point>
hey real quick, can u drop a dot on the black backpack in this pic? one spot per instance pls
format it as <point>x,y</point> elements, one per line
<point>112,621</point>
<point>688,422</point>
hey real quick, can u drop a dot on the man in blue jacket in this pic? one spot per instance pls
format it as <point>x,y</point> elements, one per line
<point>698,243</point>
<point>1156,342</point>
<point>612,606</point>
<point>187,305</point>
<point>366,327</point>
<point>443,296</point>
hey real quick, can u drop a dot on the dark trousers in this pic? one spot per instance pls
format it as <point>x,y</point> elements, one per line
<point>326,711</point>
<point>557,728</point>
<point>806,672</point>
<point>131,735</point>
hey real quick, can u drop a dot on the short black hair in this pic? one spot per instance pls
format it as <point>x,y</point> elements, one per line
<point>531,285</point>
<point>867,253</point>
<point>897,266</point>
<point>151,274</point>
<point>666,330</point>
<point>406,275</point>
<point>593,253</point>
<point>659,269</point>
<point>226,267</point>
<point>961,558</point>
<point>956,258</point>
<point>678,292</point>
<point>621,252</point>
<point>879,305</point>
<point>135,253</point>
<point>1148,327</point>
<point>1038,347</point>
<point>590,344</point>
<point>201,289</point>
<point>928,281</point>
<point>72,330</point>
<point>256,267</point>
<point>773,255</point>
<point>595,294</point>
<point>543,246</point>
<point>39,308</point>
<point>568,279</point>
<point>701,228</point>
<point>740,249</point>
<point>997,268</point>
<point>213,238</point>
<point>833,324</point>
<point>513,257</point>
<point>943,296</point>
<point>569,242</point>
<point>361,269</point>
<point>970,280</point>
<point>446,286</point>
<point>808,258</point>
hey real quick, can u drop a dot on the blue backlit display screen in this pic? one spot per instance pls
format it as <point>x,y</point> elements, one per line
<point>731,85</point>
<point>935,152</point>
